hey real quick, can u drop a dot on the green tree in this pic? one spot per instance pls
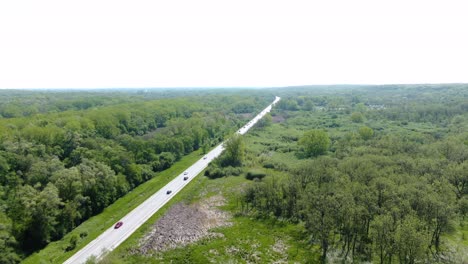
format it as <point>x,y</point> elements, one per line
<point>360,107</point>
<point>267,120</point>
<point>366,133</point>
<point>457,175</point>
<point>234,152</point>
<point>308,105</point>
<point>315,142</point>
<point>411,240</point>
<point>382,235</point>
<point>320,216</point>
<point>7,242</point>
<point>357,117</point>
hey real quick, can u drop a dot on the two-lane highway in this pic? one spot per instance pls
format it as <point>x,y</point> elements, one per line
<point>111,238</point>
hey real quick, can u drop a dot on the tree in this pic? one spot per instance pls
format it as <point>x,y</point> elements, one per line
<point>7,242</point>
<point>234,152</point>
<point>288,104</point>
<point>360,107</point>
<point>320,216</point>
<point>308,105</point>
<point>366,133</point>
<point>34,215</point>
<point>315,142</point>
<point>457,175</point>
<point>357,117</point>
<point>265,121</point>
<point>411,240</point>
<point>382,234</point>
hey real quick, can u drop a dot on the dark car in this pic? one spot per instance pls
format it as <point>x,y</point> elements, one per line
<point>168,192</point>
<point>185,178</point>
<point>119,224</point>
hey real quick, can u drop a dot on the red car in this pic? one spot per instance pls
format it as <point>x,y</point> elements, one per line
<point>119,224</point>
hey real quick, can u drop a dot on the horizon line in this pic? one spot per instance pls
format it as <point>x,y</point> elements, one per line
<point>227,87</point>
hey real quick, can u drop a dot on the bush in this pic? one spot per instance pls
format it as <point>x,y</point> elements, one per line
<point>235,171</point>
<point>73,242</point>
<point>253,174</point>
<point>216,172</point>
<point>83,234</point>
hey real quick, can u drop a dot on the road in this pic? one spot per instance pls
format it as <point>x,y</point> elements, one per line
<point>111,238</point>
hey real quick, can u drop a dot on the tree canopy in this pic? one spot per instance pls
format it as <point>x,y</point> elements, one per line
<point>315,142</point>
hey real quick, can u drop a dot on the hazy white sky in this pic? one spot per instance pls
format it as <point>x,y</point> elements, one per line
<point>98,44</point>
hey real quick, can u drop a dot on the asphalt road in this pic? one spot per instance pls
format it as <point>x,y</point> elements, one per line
<point>111,238</point>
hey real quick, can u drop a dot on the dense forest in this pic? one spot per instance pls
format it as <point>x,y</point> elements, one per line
<point>372,174</point>
<point>65,156</point>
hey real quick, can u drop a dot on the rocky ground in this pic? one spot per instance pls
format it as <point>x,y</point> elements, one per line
<point>184,224</point>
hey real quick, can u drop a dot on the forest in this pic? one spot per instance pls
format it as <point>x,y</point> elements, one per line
<point>65,156</point>
<point>370,174</point>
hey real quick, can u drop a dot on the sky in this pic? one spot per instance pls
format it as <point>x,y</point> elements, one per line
<point>242,43</point>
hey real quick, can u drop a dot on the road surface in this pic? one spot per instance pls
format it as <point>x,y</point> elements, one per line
<point>111,238</point>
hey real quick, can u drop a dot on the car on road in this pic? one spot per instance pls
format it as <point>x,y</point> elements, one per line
<point>185,173</point>
<point>118,224</point>
<point>205,157</point>
<point>185,178</point>
<point>168,192</point>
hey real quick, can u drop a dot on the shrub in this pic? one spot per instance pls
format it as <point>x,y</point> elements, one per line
<point>73,242</point>
<point>254,174</point>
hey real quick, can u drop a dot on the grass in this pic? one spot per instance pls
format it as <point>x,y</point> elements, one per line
<point>459,236</point>
<point>93,227</point>
<point>247,241</point>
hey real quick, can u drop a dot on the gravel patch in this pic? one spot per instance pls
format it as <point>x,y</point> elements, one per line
<point>184,224</point>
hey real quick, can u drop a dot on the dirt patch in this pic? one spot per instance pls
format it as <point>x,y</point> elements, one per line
<point>184,224</point>
<point>246,115</point>
<point>280,248</point>
<point>278,119</point>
